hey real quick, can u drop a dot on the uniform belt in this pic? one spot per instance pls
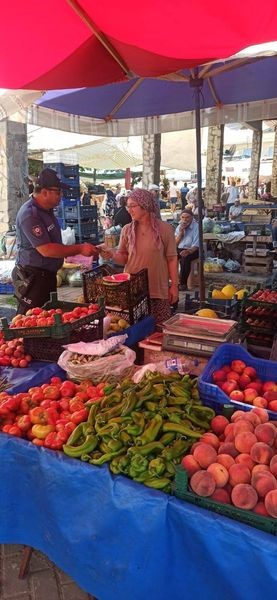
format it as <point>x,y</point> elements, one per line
<point>38,270</point>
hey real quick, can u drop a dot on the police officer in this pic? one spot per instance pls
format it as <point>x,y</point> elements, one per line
<point>40,251</point>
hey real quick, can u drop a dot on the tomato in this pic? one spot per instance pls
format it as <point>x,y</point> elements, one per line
<point>65,415</point>
<point>79,416</point>
<point>75,405</point>
<point>68,389</point>
<point>83,396</point>
<point>92,391</point>
<point>23,363</point>
<point>101,386</point>
<point>23,422</point>
<point>45,403</point>
<point>52,392</point>
<point>37,396</point>
<point>12,429</point>
<point>64,404</point>
<point>55,380</point>
<point>37,442</point>
<point>55,440</point>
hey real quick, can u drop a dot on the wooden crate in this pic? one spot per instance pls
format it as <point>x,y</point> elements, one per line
<point>257,264</point>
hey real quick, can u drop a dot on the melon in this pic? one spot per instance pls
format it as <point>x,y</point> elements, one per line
<point>229,291</point>
<point>240,294</point>
<point>218,295</point>
<point>207,312</point>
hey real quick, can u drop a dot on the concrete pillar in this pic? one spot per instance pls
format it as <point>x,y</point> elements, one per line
<point>214,165</point>
<point>13,171</point>
<point>255,163</point>
<point>151,153</point>
<point>274,168</point>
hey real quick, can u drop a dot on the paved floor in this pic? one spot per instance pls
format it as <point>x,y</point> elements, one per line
<point>44,580</point>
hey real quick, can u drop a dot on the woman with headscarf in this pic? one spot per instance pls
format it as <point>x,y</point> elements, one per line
<point>147,242</point>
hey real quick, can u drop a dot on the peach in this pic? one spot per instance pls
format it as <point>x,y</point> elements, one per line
<point>237,396</point>
<point>271,503</point>
<point>245,459</point>
<point>238,366</point>
<point>218,424</point>
<point>244,381</point>
<point>194,446</point>
<point>229,386</point>
<point>270,386</point>
<point>205,455</point>
<point>226,368</point>
<point>252,417</point>
<point>237,415</point>
<point>228,448</point>
<point>263,482</point>
<point>233,376</point>
<point>249,395</point>
<point>229,429</point>
<point>219,375</point>
<point>219,473</point>
<point>255,385</point>
<point>239,473</point>
<point>273,465</point>
<point>260,468</point>
<point>244,496</point>
<point>229,437</point>
<point>190,464</point>
<point>202,483</point>
<point>226,460</point>
<point>251,372</point>
<point>244,441</point>
<point>243,425</point>
<point>261,453</point>
<point>260,402</point>
<point>260,509</point>
<point>265,433</point>
<point>221,495</point>
<point>273,405</point>
<point>210,438</point>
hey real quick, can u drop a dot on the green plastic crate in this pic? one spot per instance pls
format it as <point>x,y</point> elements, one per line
<point>181,490</point>
<point>59,330</point>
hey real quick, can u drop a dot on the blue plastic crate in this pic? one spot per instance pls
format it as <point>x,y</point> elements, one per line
<point>213,396</point>
<point>64,170</point>
<point>6,288</point>
<point>86,212</point>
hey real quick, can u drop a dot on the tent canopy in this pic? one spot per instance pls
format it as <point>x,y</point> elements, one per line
<point>82,43</point>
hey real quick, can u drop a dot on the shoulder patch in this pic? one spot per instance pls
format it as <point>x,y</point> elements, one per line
<point>37,230</point>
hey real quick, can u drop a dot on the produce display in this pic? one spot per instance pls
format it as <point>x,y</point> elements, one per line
<point>12,353</point>
<point>47,414</point>
<point>116,324</point>
<point>228,292</point>
<point>236,463</point>
<point>143,430</point>
<point>265,296</point>
<point>241,383</point>
<point>39,317</point>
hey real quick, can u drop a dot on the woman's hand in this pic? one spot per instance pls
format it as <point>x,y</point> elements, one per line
<point>105,252</point>
<point>173,294</point>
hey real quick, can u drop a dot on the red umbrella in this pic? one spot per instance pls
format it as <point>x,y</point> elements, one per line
<point>64,43</point>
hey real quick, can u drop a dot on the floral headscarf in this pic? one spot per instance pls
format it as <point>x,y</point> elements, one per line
<point>146,200</point>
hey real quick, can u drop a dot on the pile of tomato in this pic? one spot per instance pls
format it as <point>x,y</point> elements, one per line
<point>47,414</point>
<point>12,353</point>
<point>38,317</point>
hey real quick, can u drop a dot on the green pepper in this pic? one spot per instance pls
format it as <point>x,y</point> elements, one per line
<point>127,384</point>
<point>123,463</point>
<point>156,467</point>
<point>167,438</point>
<point>158,389</point>
<point>114,445</point>
<point>183,429</point>
<point>170,468</point>
<point>151,431</point>
<point>138,465</point>
<point>129,404</point>
<point>105,457</point>
<point>125,438</point>
<point>174,409</point>
<point>141,478</point>
<point>103,447</point>
<point>109,389</point>
<point>178,448</point>
<point>115,411</point>
<point>170,377</point>
<point>87,446</point>
<point>143,399</point>
<point>151,448</point>
<point>187,379</point>
<point>111,429</point>
<point>199,422</point>
<point>145,390</point>
<point>92,414</point>
<point>137,427</point>
<point>162,483</point>
<point>114,465</point>
<point>171,400</point>
<point>180,391</point>
<point>175,418</point>
<point>150,405</point>
<point>203,411</point>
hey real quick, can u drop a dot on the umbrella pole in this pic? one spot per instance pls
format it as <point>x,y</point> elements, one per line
<point>197,83</point>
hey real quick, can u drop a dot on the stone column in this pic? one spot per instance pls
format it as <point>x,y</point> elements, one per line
<point>14,171</point>
<point>274,168</point>
<point>255,162</point>
<point>151,152</point>
<point>214,165</point>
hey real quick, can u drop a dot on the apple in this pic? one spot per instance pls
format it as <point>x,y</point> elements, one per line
<point>226,368</point>
<point>270,396</point>
<point>237,396</point>
<point>233,376</point>
<point>255,385</point>
<point>250,371</point>
<point>228,387</point>
<point>238,366</point>
<point>244,381</point>
<point>250,395</point>
<point>272,405</point>
<point>219,375</point>
<point>260,401</point>
<point>270,386</point>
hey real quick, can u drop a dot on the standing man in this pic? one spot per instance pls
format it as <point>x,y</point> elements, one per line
<point>232,197</point>
<point>173,195</point>
<point>40,251</point>
<point>184,191</point>
<point>187,240</point>
<point>155,191</point>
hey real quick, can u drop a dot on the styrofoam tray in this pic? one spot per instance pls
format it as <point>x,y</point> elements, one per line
<point>192,325</point>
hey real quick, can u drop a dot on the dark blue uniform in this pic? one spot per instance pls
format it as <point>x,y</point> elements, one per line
<point>34,275</point>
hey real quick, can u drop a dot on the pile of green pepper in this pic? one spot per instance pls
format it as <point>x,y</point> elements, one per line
<point>143,430</point>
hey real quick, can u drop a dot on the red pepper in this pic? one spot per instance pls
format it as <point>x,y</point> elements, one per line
<point>55,440</point>
<point>79,416</point>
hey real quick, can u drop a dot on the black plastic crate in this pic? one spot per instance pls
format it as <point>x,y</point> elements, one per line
<point>122,295</point>
<point>50,349</point>
<point>134,313</point>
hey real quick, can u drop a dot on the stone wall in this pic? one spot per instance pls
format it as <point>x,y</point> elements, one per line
<point>214,165</point>
<point>151,153</point>
<point>13,171</point>
<point>274,168</point>
<point>255,164</point>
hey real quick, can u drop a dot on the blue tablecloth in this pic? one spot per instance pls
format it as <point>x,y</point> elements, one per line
<point>121,540</point>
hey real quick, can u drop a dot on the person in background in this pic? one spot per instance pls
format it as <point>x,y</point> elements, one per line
<point>122,216</point>
<point>148,243</point>
<point>84,195</point>
<point>184,191</point>
<point>118,194</point>
<point>155,191</point>
<point>187,241</point>
<point>108,208</point>
<point>40,251</point>
<point>192,196</point>
<point>233,195</point>
<point>235,211</point>
<point>173,195</point>
<point>267,193</point>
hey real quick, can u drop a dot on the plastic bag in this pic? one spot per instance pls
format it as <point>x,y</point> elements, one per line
<point>68,236</point>
<point>181,365</point>
<point>114,367</point>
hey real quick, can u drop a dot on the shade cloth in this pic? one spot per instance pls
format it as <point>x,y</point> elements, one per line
<point>119,539</point>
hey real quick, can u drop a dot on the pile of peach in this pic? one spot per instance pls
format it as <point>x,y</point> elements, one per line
<point>236,463</point>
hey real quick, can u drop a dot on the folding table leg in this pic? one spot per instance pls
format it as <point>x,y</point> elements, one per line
<point>25,560</point>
